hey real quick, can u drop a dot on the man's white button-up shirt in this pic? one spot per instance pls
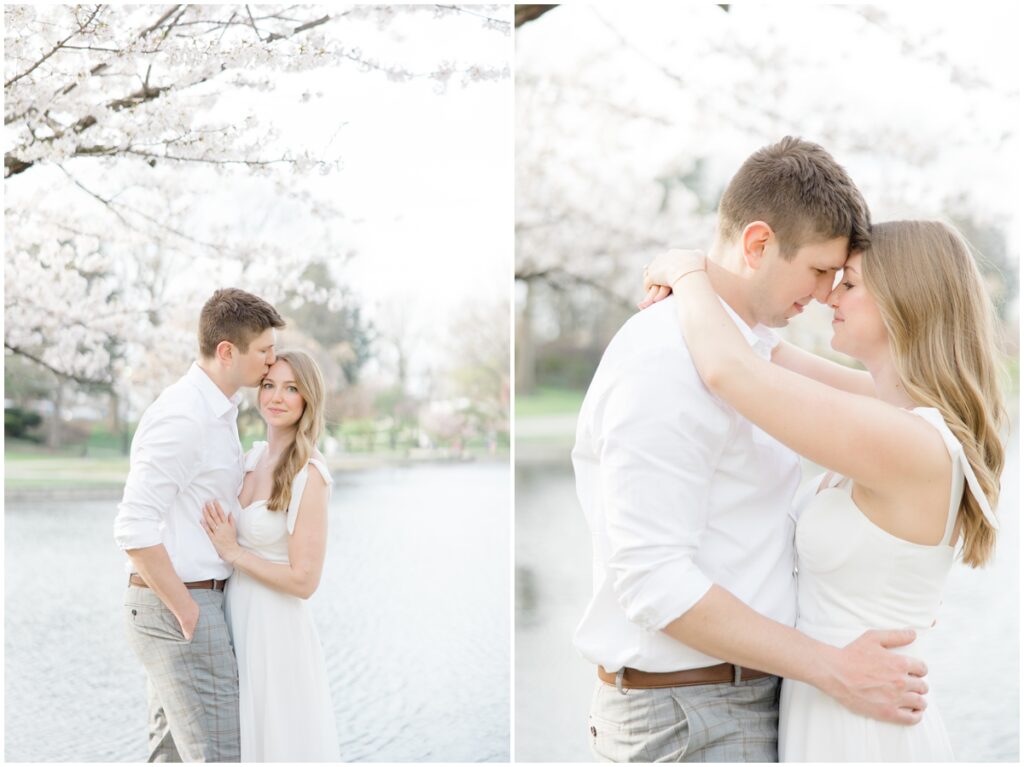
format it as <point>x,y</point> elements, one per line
<point>680,492</point>
<point>185,452</point>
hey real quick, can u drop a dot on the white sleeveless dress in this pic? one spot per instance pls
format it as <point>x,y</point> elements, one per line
<point>854,576</point>
<point>285,711</point>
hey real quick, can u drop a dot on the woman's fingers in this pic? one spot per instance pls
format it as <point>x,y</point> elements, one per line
<point>216,513</point>
<point>655,294</point>
<point>649,298</point>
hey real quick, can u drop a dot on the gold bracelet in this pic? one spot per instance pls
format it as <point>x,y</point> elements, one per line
<point>678,277</point>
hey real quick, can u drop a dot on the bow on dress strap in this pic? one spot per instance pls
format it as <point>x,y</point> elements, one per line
<point>956,452</point>
<point>975,487</point>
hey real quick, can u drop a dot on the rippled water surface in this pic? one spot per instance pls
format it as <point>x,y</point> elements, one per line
<point>974,666</point>
<point>413,612</point>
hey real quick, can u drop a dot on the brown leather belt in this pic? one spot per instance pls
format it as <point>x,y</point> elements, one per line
<point>136,580</point>
<point>648,680</point>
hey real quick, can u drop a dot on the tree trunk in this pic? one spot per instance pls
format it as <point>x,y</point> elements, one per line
<point>526,357</point>
<point>53,431</point>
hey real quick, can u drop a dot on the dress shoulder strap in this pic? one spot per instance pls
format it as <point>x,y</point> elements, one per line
<point>253,456</point>
<point>322,468</point>
<point>299,487</point>
<point>962,472</point>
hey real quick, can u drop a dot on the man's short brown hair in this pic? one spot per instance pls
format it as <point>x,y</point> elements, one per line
<point>803,194</point>
<point>233,315</point>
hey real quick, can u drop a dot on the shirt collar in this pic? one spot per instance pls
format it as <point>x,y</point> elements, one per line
<point>215,398</point>
<point>761,339</point>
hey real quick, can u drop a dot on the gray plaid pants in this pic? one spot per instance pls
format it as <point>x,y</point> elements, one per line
<point>192,685</point>
<point>702,723</point>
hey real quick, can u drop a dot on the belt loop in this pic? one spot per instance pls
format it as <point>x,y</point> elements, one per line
<point>618,680</point>
<point>737,674</point>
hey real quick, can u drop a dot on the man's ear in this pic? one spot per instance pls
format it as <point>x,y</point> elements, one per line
<point>754,241</point>
<point>225,353</point>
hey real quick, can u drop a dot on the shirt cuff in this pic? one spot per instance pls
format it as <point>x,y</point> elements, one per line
<point>137,534</point>
<point>653,598</point>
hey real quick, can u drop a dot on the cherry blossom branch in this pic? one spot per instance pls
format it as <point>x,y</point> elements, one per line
<point>497,23</point>
<point>561,279</point>
<point>149,30</point>
<point>57,47</point>
<point>114,204</point>
<point>84,381</point>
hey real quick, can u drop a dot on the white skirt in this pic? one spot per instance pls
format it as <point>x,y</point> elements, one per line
<point>285,711</point>
<point>816,728</point>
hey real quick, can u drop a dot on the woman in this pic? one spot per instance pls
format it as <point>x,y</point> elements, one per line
<point>277,552</point>
<point>914,454</point>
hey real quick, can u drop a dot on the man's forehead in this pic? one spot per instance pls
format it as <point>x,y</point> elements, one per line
<point>831,254</point>
<point>268,337</point>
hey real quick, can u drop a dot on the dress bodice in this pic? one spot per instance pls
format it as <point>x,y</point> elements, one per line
<point>265,532</point>
<point>853,575</point>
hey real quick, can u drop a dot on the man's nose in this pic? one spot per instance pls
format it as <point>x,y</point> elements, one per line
<point>823,289</point>
<point>271,357</point>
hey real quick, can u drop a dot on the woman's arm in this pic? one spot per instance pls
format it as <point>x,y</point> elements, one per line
<point>861,437</point>
<point>307,545</point>
<point>820,369</point>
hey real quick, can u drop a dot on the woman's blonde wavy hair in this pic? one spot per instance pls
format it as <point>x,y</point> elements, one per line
<point>941,328</point>
<point>310,383</point>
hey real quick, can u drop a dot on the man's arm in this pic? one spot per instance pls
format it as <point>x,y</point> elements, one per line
<point>154,565</point>
<point>660,438</point>
<point>864,676</point>
<point>165,457</point>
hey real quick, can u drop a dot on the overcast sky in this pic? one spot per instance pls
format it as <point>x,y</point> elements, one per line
<point>425,180</point>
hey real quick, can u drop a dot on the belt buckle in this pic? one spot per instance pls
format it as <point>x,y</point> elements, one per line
<point>737,674</point>
<point>618,680</point>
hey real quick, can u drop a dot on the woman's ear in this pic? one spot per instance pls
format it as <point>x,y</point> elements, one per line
<point>754,240</point>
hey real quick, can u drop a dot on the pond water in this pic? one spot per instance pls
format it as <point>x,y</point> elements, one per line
<point>974,666</point>
<point>413,612</point>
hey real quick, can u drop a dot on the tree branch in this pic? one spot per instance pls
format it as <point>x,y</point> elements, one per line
<point>460,9</point>
<point>525,13</point>
<point>301,28</point>
<point>149,30</point>
<point>57,47</point>
<point>84,381</point>
<point>254,27</point>
<point>13,165</point>
<point>113,205</point>
<point>176,158</point>
<point>561,279</point>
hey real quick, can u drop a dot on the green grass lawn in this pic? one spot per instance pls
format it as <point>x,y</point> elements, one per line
<point>33,470</point>
<point>548,401</point>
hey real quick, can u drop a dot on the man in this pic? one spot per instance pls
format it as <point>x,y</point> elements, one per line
<point>186,452</point>
<point>690,504</point>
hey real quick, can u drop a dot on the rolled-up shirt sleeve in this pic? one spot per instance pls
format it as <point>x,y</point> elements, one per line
<point>659,446</point>
<point>166,454</point>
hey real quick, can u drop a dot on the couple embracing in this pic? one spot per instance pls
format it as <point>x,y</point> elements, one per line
<point>720,585</point>
<point>224,548</point>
